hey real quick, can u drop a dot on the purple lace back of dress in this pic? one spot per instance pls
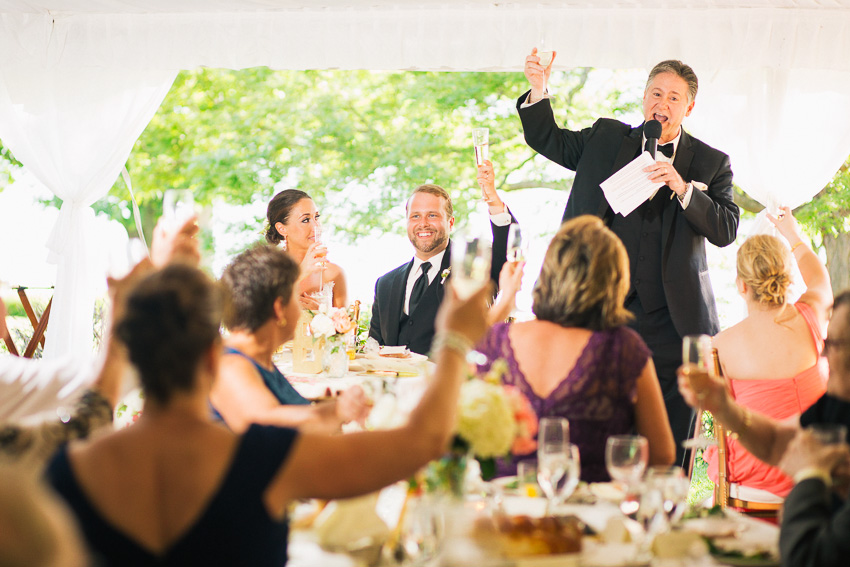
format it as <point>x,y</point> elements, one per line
<point>597,395</point>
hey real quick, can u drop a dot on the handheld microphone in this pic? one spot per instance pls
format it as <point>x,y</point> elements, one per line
<point>652,131</point>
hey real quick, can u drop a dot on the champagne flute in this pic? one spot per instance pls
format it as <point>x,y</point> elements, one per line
<point>553,461</point>
<point>626,457</point>
<point>481,144</point>
<point>544,51</point>
<point>698,368</point>
<point>471,258</point>
<point>517,245</point>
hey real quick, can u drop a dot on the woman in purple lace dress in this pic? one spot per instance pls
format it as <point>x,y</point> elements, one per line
<point>577,359</point>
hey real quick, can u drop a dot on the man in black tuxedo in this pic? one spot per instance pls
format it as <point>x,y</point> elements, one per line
<point>407,298</point>
<point>671,293</point>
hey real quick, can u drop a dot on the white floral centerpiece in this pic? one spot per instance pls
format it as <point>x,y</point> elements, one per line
<point>331,325</point>
<point>494,420</point>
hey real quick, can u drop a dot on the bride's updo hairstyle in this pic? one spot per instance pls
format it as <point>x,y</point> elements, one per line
<point>278,211</point>
<point>171,319</point>
<point>764,264</point>
<point>253,281</point>
<point>585,277</point>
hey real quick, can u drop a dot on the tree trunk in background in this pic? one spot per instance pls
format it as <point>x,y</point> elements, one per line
<point>838,260</point>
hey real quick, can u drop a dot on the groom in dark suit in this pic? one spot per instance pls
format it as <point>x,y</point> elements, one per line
<point>408,297</point>
<point>670,293</point>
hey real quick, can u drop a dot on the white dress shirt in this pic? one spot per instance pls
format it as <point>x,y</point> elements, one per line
<point>416,271</point>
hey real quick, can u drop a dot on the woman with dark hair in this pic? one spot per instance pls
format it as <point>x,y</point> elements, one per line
<point>293,223</point>
<point>180,489</point>
<point>596,372</point>
<point>262,313</point>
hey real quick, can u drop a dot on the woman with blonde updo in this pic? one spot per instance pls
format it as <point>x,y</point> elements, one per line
<point>772,357</point>
<point>578,360</point>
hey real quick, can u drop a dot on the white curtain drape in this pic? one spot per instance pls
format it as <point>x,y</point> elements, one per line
<point>73,128</point>
<point>787,131</point>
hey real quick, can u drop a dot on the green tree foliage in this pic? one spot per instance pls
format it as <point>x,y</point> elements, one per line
<point>243,135</point>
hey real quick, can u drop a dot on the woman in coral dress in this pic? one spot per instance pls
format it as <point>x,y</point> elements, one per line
<point>772,358</point>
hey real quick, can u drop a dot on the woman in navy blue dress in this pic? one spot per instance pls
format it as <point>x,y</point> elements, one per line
<point>178,488</point>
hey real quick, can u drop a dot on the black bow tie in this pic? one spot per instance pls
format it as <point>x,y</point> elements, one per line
<point>667,149</point>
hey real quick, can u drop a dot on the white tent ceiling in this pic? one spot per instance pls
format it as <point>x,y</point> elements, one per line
<point>426,34</point>
<point>80,79</point>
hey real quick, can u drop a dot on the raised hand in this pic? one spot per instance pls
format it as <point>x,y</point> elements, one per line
<point>537,74</point>
<point>787,225</point>
<point>487,181</point>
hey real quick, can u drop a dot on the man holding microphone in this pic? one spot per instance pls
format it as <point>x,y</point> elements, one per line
<point>671,294</point>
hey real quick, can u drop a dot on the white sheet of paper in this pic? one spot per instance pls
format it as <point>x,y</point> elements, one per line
<point>629,187</point>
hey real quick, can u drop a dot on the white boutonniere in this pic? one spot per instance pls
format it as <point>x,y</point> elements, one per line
<point>445,274</point>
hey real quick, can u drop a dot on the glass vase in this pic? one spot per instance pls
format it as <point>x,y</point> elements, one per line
<point>447,475</point>
<point>335,358</point>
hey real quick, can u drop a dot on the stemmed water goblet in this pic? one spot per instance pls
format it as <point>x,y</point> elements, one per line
<point>553,456</point>
<point>698,368</point>
<point>626,457</point>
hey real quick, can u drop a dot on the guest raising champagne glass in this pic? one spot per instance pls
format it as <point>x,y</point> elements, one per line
<point>293,222</point>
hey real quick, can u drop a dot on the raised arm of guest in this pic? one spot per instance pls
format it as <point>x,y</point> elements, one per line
<point>762,436</point>
<point>510,281</point>
<point>500,219</point>
<point>262,313</point>
<point>375,459</point>
<point>818,294</point>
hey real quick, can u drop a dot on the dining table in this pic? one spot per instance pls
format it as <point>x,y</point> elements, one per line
<point>405,385</point>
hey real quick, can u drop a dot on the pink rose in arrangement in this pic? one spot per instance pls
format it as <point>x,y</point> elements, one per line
<point>342,322</point>
<point>525,419</point>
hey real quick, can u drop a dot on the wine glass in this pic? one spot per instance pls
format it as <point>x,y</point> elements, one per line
<point>517,245</point>
<point>673,486</point>
<point>481,145</point>
<point>698,368</point>
<point>471,258</point>
<point>626,457</point>
<point>553,457</point>
<point>178,206</point>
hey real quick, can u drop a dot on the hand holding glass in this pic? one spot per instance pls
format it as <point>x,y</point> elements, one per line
<point>698,368</point>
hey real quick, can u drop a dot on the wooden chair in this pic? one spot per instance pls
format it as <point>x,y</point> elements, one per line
<point>732,495</point>
<point>39,325</point>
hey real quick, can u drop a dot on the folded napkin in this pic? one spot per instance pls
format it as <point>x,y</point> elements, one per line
<point>351,523</point>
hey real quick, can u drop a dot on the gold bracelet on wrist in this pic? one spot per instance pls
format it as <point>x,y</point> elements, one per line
<point>795,246</point>
<point>453,341</point>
